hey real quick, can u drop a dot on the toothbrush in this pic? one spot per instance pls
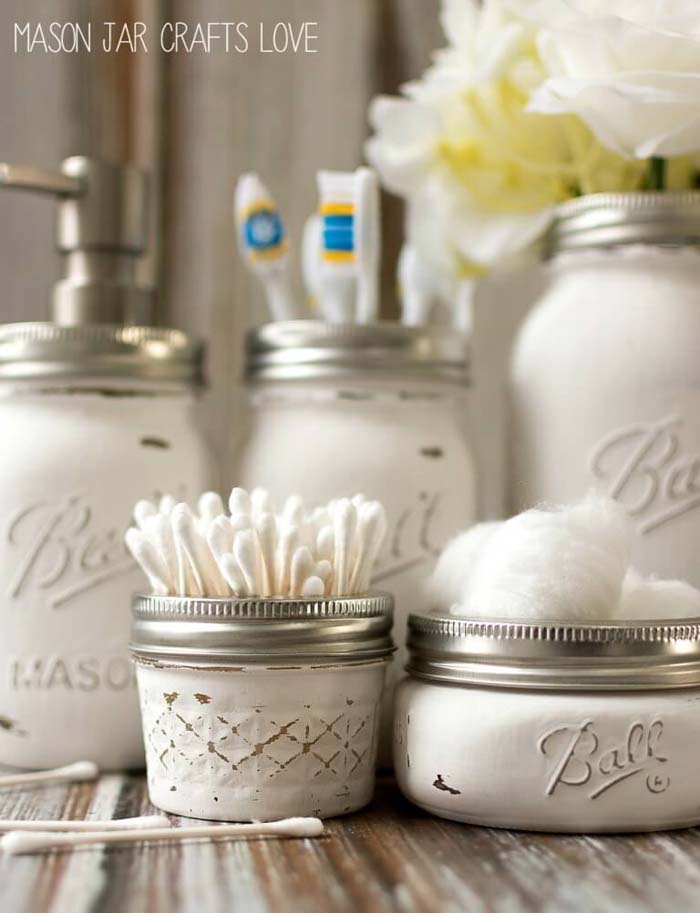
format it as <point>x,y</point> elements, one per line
<point>367,244</point>
<point>417,288</point>
<point>311,260</point>
<point>263,244</point>
<point>350,244</point>
<point>338,266</point>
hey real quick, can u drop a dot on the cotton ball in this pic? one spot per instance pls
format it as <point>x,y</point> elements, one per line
<point>563,564</point>
<point>645,600</point>
<point>447,583</point>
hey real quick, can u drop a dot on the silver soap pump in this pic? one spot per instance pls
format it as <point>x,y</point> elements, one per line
<point>101,233</point>
<point>98,410</point>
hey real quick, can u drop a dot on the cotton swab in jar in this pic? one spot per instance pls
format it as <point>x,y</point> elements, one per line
<point>302,568</point>
<point>149,559</point>
<point>77,772</point>
<point>110,824</point>
<point>266,532</point>
<point>327,551</point>
<point>17,843</point>
<point>344,522</point>
<point>245,554</point>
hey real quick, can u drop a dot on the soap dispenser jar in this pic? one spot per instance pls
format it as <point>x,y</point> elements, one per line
<point>98,410</point>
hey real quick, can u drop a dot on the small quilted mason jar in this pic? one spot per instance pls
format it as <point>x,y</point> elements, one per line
<point>261,709</point>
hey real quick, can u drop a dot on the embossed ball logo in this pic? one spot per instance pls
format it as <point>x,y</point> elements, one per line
<point>582,758</point>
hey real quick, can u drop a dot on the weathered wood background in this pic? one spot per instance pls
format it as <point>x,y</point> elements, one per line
<point>196,121</point>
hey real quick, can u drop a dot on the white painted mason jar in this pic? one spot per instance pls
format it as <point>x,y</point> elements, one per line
<point>605,380</point>
<point>255,710</point>
<point>552,727</point>
<point>93,418</point>
<point>377,409</point>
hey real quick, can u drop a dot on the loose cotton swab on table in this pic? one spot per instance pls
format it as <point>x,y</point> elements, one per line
<point>111,824</point>
<point>16,843</point>
<point>81,770</point>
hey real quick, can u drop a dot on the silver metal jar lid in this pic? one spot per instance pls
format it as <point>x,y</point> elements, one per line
<point>310,349</point>
<point>30,351</point>
<point>554,655</point>
<point>610,219</point>
<point>286,632</point>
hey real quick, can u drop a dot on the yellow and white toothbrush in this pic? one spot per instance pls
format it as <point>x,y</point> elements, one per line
<point>264,246</point>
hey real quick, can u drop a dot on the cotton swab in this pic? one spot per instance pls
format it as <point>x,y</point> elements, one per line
<point>327,551</point>
<point>233,576</point>
<point>244,552</point>
<point>111,824</point>
<point>239,502</point>
<point>371,529</point>
<point>143,512</point>
<point>146,555</point>
<point>313,586</point>
<point>196,549</point>
<point>287,542</point>
<point>302,568</point>
<point>17,843</point>
<point>79,771</point>
<point>344,522</point>
<point>266,532</point>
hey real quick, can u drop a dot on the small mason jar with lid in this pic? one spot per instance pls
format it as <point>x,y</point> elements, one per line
<point>379,409</point>
<point>551,726</point>
<point>257,709</point>
<point>605,377</point>
<point>98,410</point>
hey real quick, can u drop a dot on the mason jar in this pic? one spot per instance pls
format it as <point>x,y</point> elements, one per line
<point>94,418</point>
<point>605,378</point>
<point>583,728</point>
<point>338,410</point>
<point>258,709</point>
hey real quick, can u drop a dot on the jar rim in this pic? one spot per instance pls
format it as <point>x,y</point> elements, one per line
<point>555,655</point>
<point>603,220</point>
<point>42,350</point>
<point>229,631</point>
<point>314,349</point>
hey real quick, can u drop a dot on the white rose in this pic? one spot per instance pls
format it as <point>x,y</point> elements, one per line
<point>629,68</point>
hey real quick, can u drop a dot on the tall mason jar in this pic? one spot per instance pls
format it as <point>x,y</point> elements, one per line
<point>94,418</point>
<point>605,378</point>
<point>337,410</point>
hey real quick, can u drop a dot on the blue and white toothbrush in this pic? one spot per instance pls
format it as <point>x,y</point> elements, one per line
<point>263,244</point>
<point>349,263</point>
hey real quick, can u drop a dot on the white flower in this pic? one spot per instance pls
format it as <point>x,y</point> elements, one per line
<point>629,68</point>
<point>481,174</point>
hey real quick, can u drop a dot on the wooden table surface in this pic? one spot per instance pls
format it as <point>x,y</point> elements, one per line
<point>389,858</point>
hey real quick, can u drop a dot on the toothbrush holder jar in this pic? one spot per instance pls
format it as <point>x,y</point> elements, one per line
<point>95,417</point>
<point>583,728</point>
<point>337,409</point>
<point>261,709</point>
